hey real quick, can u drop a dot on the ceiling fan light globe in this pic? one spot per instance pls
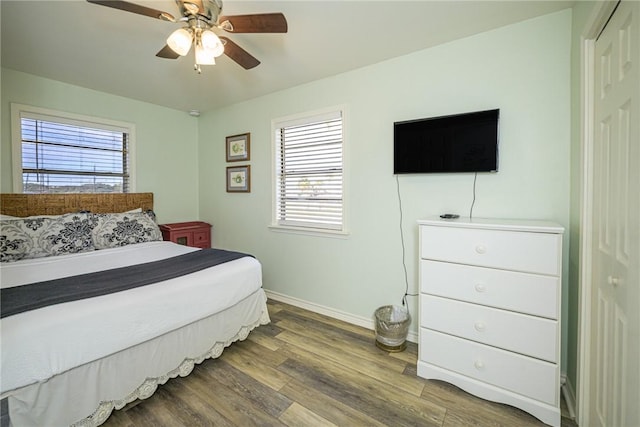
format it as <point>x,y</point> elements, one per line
<point>211,42</point>
<point>180,41</point>
<point>219,50</point>
<point>204,56</point>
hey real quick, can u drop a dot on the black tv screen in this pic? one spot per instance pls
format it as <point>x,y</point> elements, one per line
<point>458,143</point>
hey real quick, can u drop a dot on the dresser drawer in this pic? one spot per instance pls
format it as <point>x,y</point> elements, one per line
<point>508,250</point>
<point>523,292</point>
<point>528,335</point>
<point>520,374</point>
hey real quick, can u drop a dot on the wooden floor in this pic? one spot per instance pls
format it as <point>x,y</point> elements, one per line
<point>305,369</point>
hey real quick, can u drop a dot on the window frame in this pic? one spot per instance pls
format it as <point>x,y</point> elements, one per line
<point>20,111</point>
<point>302,118</point>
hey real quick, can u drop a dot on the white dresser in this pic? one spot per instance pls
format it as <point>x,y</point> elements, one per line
<point>490,310</point>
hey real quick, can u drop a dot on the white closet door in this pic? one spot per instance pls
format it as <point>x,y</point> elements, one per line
<point>615,305</point>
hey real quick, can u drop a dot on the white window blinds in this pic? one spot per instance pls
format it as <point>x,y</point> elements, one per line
<point>308,170</point>
<point>64,156</point>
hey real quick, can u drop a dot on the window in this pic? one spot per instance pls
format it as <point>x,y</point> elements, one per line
<point>62,153</point>
<point>309,172</point>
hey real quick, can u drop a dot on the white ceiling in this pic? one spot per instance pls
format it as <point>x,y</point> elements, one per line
<point>114,51</point>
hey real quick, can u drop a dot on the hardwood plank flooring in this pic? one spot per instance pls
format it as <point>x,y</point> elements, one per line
<point>306,369</point>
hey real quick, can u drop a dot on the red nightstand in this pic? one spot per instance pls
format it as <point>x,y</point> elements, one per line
<point>193,233</point>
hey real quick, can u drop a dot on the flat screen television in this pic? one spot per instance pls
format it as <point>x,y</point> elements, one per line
<point>458,143</point>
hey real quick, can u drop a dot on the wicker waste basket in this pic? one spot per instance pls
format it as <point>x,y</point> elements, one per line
<point>392,327</point>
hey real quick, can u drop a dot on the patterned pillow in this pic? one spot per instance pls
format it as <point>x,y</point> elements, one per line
<point>37,237</point>
<point>151,214</point>
<point>14,243</point>
<point>121,229</point>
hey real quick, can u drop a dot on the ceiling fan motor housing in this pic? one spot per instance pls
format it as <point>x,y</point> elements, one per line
<point>207,9</point>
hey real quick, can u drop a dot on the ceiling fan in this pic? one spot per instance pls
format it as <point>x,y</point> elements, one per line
<point>200,18</point>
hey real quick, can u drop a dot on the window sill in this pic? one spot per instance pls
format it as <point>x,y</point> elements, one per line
<point>318,232</point>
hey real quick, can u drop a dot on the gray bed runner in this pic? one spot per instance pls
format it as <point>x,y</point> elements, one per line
<point>32,296</point>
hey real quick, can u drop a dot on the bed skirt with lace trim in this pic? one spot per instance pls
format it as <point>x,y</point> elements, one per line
<point>88,394</point>
<point>150,385</point>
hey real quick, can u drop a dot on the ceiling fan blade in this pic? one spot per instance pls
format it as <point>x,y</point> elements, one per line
<point>256,23</point>
<point>135,8</point>
<point>238,54</point>
<point>167,52</point>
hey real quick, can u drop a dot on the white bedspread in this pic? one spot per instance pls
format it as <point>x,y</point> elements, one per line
<point>40,344</point>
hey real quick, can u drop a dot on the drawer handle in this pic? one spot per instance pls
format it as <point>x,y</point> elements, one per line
<point>479,365</point>
<point>481,249</point>
<point>480,287</point>
<point>480,327</point>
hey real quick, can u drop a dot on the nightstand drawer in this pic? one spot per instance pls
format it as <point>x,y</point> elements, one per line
<point>522,292</point>
<point>194,233</point>
<point>507,250</point>
<point>520,374</point>
<point>524,334</point>
<point>202,238</point>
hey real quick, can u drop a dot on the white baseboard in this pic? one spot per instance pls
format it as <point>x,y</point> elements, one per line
<point>331,312</point>
<point>569,395</point>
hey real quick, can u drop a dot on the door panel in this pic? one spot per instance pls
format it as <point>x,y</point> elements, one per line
<point>615,306</point>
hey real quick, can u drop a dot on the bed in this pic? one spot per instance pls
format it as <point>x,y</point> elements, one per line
<point>74,362</point>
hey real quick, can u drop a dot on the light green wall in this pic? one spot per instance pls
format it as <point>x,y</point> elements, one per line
<point>166,139</point>
<point>523,69</point>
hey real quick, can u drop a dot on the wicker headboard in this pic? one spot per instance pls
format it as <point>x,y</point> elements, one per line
<point>56,204</point>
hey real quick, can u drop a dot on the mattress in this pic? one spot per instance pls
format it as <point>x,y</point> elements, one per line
<point>72,337</point>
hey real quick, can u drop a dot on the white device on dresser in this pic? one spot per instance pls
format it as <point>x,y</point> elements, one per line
<point>490,310</point>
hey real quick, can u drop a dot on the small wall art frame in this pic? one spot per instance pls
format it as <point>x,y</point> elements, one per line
<point>238,147</point>
<point>239,179</point>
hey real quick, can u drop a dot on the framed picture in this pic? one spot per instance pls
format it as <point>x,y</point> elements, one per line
<point>238,147</point>
<point>239,179</point>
